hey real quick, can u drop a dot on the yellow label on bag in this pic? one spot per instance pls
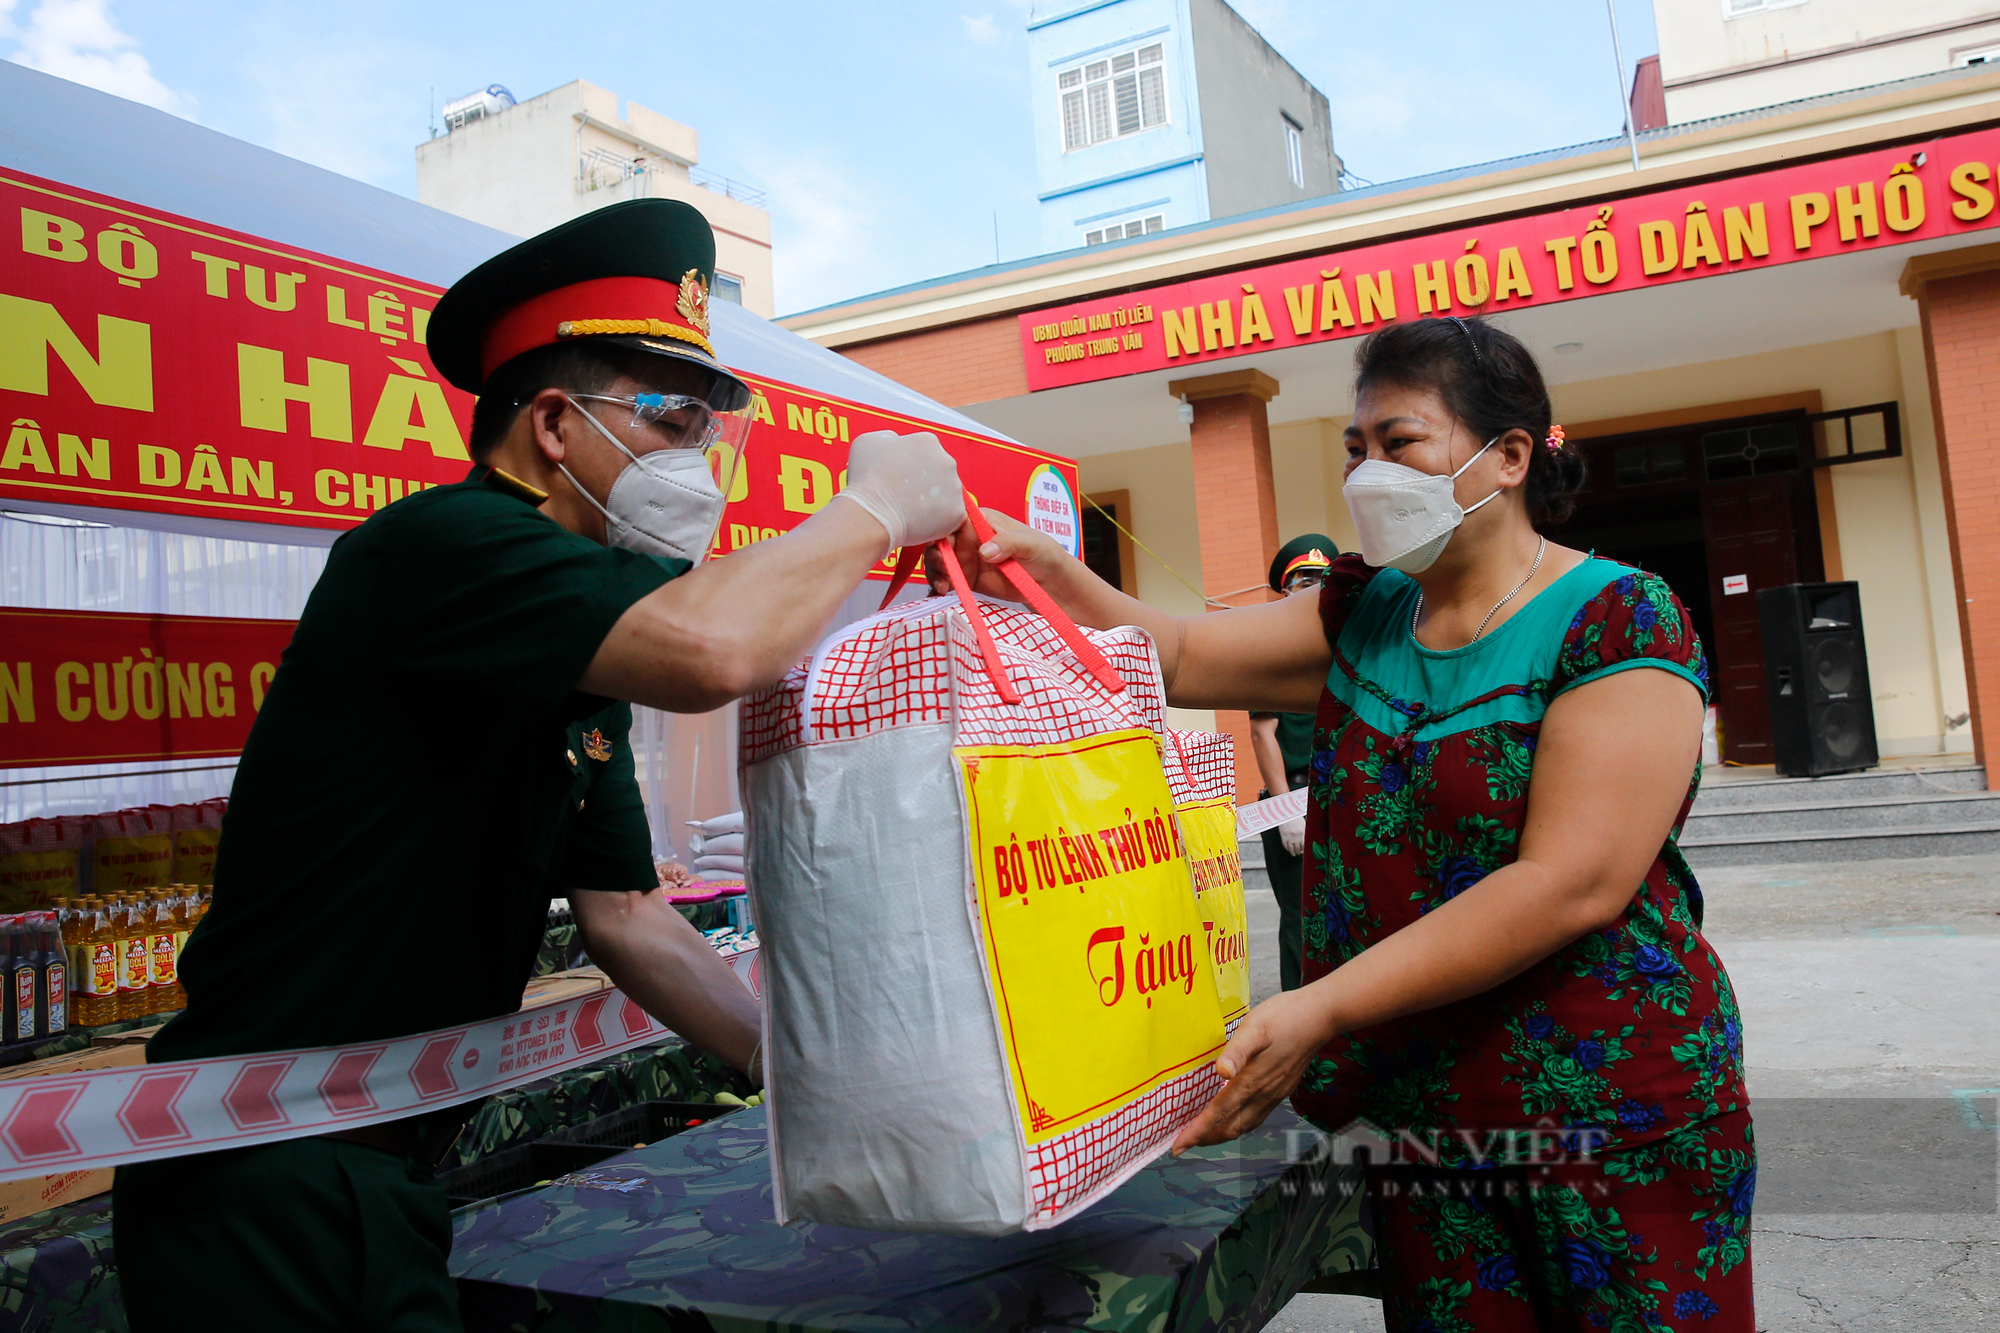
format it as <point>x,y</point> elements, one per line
<point>194,855</point>
<point>35,879</point>
<point>138,862</point>
<point>1210,830</point>
<point>1093,938</point>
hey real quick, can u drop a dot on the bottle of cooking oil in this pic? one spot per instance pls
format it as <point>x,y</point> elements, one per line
<point>163,995</point>
<point>185,903</point>
<point>75,926</point>
<point>135,972</point>
<point>103,964</point>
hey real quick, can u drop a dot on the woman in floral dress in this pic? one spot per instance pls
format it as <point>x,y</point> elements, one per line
<point>1506,977</point>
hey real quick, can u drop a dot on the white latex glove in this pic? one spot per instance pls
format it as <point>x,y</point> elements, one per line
<point>1292,833</point>
<point>908,483</point>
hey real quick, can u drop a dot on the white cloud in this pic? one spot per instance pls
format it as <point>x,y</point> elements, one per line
<point>981,29</point>
<point>80,41</point>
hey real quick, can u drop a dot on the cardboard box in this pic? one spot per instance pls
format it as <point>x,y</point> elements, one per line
<point>568,985</point>
<point>94,1057</point>
<point>22,1198</point>
<point>130,1037</point>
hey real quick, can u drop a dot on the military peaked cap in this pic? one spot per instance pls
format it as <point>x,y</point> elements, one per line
<point>635,274</point>
<point>1315,550</point>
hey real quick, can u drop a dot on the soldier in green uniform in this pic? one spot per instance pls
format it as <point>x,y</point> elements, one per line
<point>1282,743</point>
<point>445,748</point>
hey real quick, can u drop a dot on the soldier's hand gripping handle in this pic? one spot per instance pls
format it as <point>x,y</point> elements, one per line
<point>908,483</point>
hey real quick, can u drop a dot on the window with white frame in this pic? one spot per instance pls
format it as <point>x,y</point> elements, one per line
<point>729,287</point>
<point>1118,231</point>
<point>1736,9</point>
<point>1295,150</point>
<point>1114,96</point>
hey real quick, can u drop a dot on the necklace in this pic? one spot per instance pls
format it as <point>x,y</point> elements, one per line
<point>1540,551</point>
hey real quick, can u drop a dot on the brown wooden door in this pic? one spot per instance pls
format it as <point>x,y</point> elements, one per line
<point>1752,543</point>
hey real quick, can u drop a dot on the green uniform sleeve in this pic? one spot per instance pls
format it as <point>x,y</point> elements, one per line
<point>610,844</point>
<point>481,594</point>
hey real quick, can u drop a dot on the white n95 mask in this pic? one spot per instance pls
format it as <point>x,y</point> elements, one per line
<point>663,503</point>
<point>1404,517</point>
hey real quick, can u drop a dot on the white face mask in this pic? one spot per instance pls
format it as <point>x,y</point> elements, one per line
<point>663,503</point>
<point>1404,517</point>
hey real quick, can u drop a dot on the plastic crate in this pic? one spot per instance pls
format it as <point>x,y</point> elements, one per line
<point>520,1168</point>
<point>648,1122</point>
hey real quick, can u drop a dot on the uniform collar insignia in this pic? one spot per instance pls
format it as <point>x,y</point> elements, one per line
<point>508,483</point>
<point>596,746</point>
<point>694,300</point>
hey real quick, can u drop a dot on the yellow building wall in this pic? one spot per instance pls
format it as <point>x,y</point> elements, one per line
<point>1307,460</point>
<point>1160,482</point>
<point>1888,529</point>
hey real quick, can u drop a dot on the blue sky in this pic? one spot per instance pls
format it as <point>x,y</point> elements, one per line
<point>890,136</point>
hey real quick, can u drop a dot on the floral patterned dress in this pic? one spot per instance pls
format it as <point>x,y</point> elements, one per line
<point>1572,1148</point>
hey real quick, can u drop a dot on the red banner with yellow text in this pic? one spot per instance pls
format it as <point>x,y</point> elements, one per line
<point>795,460</point>
<point>1888,196</point>
<point>153,363</point>
<point>98,686</point>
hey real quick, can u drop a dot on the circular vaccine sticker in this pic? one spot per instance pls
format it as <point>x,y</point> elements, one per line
<point>1052,508</point>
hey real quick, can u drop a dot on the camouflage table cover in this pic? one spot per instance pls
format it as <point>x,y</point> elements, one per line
<point>672,1071</point>
<point>679,1236</point>
<point>56,1272</point>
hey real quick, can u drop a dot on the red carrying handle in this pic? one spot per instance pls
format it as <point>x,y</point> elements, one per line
<point>988,650</point>
<point>906,565</point>
<point>1031,593</point>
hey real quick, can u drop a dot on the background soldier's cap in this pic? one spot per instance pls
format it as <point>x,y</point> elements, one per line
<point>1315,550</point>
<point>636,274</point>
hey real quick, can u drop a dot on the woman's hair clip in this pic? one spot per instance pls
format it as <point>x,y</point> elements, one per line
<point>1555,440</point>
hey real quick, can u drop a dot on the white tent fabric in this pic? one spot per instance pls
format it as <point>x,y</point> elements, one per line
<point>64,132</point>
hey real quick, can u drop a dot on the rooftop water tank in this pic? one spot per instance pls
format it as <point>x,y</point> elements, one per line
<point>488,101</point>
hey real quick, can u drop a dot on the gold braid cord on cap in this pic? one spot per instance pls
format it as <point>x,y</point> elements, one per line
<point>654,328</point>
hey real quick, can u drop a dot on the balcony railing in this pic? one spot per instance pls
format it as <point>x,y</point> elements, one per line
<point>737,190</point>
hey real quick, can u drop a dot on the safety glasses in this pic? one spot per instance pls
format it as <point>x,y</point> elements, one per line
<point>688,423</point>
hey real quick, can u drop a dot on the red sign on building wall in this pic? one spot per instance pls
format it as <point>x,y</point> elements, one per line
<point>1863,201</point>
<point>153,363</point>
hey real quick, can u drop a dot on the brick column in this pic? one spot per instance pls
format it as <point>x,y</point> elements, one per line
<point>1236,510</point>
<point>1958,295</point>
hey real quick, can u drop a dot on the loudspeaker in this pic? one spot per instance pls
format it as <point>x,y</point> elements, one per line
<point>1816,671</point>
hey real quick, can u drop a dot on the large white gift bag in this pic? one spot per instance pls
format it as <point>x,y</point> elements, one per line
<point>988,991</point>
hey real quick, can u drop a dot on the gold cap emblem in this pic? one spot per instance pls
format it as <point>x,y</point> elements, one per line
<point>694,300</point>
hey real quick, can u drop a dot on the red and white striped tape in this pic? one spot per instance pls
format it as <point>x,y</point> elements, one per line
<point>1269,813</point>
<point>70,1122</point>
